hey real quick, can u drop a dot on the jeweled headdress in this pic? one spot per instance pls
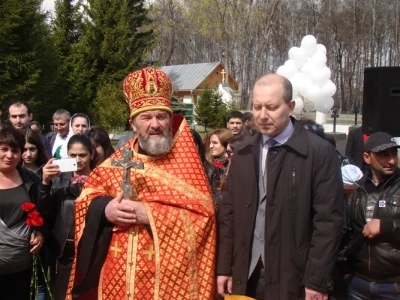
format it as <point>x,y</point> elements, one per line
<point>147,89</point>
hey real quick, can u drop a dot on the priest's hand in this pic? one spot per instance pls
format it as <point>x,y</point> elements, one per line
<point>224,285</point>
<point>126,212</point>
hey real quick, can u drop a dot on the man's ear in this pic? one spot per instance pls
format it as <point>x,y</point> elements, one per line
<point>367,158</point>
<point>132,123</point>
<point>31,117</point>
<point>291,105</point>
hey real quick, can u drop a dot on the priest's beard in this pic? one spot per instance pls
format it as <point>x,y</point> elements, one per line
<point>157,145</point>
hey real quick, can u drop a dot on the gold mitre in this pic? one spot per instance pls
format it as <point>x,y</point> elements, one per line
<point>147,89</point>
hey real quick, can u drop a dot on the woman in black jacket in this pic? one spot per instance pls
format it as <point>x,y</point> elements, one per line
<point>18,186</point>
<point>64,189</point>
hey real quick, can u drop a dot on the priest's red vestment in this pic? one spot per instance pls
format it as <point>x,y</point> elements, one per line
<point>175,257</point>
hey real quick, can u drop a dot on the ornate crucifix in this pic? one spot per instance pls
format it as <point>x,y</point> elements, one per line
<point>126,163</point>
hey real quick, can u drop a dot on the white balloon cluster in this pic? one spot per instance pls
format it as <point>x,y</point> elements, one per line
<point>310,77</point>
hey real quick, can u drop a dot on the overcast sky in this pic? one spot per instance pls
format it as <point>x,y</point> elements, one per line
<point>48,5</point>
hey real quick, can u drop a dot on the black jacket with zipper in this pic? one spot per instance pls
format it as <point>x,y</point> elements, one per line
<point>376,259</point>
<point>31,183</point>
<point>62,193</point>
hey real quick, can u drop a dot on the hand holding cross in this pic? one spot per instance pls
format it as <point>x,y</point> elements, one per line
<point>126,163</point>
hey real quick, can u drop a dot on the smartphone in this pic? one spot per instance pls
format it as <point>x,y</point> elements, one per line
<point>67,164</point>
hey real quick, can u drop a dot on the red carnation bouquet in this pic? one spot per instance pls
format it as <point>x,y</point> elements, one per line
<point>34,219</point>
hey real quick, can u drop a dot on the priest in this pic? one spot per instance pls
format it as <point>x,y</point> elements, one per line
<point>145,220</point>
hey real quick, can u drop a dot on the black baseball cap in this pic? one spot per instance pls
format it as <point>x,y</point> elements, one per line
<point>379,141</point>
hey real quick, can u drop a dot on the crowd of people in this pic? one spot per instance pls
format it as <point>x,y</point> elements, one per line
<point>265,208</point>
<point>28,174</point>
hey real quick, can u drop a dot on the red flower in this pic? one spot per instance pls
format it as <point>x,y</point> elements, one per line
<point>33,214</point>
<point>218,164</point>
<point>28,206</point>
<point>37,222</point>
<point>29,222</point>
<point>33,217</point>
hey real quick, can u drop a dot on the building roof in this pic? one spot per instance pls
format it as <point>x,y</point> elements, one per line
<point>189,77</point>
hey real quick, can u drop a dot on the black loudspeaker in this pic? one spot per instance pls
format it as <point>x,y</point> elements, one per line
<point>381,100</point>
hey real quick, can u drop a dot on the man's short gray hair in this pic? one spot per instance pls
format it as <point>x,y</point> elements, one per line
<point>61,114</point>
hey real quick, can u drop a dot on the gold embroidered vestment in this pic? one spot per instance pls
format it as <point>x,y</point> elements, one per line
<point>176,258</point>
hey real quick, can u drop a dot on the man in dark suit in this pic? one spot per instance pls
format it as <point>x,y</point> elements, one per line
<point>281,215</point>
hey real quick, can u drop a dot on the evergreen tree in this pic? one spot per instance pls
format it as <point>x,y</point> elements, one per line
<point>203,112</point>
<point>210,110</point>
<point>21,37</point>
<point>177,106</point>
<point>220,111</point>
<point>67,28</point>
<point>47,94</point>
<point>116,42</point>
<point>110,108</point>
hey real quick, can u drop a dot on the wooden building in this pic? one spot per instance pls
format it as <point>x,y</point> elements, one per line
<point>190,80</point>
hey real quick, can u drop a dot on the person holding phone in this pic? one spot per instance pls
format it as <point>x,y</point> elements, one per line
<point>63,188</point>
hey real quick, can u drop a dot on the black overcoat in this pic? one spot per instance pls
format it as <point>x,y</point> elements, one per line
<point>304,215</point>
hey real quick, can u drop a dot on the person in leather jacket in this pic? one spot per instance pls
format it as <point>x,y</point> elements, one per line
<point>63,189</point>
<point>373,252</point>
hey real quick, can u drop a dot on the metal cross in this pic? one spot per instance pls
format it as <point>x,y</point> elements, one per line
<point>126,163</point>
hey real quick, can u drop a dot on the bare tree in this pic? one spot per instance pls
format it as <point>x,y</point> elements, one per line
<point>252,37</point>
